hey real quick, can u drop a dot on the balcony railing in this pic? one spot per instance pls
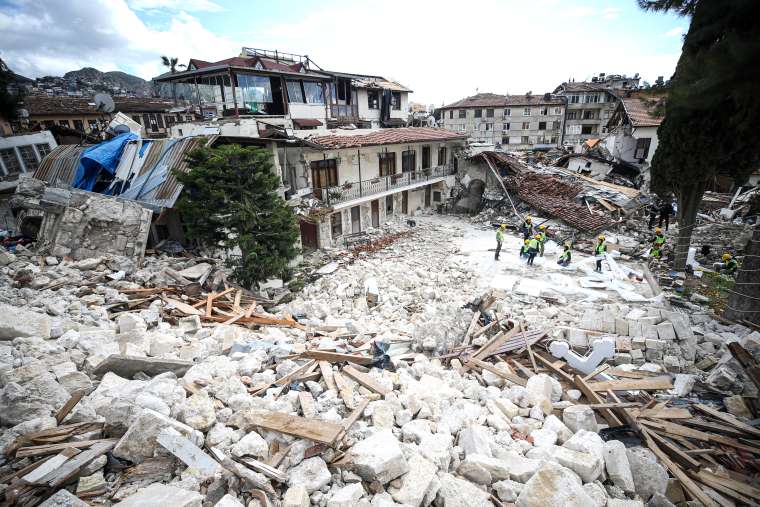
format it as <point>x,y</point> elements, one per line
<point>344,111</point>
<point>358,189</point>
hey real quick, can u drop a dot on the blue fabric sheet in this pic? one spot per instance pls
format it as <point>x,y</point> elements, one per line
<point>101,157</point>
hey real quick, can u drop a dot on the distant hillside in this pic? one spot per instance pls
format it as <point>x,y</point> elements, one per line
<point>89,77</point>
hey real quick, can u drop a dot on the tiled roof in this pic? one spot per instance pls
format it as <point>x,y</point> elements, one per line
<point>39,105</point>
<point>147,105</point>
<point>386,136</point>
<point>641,112</point>
<point>495,100</point>
<point>582,86</point>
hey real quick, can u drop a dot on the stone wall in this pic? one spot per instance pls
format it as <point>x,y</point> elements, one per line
<point>81,224</point>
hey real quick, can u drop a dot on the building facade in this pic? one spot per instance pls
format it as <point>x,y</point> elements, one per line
<point>361,178</point>
<point>590,105</point>
<point>22,154</point>
<point>516,122</point>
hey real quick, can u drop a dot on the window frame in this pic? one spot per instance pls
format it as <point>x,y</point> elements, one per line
<point>28,157</point>
<point>15,161</point>
<point>508,111</point>
<point>643,144</point>
<point>386,163</point>
<point>462,113</point>
<point>526,111</point>
<point>524,139</point>
<point>525,125</point>
<point>478,113</point>
<point>489,113</point>
<point>370,101</point>
<point>396,101</point>
<point>336,225</point>
<point>542,125</point>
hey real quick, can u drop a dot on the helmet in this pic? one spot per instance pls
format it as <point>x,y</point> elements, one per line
<point>537,236</point>
<point>726,256</point>
<point>528,219</point>
<point>527,241</point>
<point>601,237</point>
<point>503,226</point>
<point>658,230</point>
<point>542,227</point>
<point>567,244</point>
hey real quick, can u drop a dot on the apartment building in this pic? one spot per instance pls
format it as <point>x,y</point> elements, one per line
<point>516,122</point>
<point>262,89</point>
<point>22,154</point>
<point>590,105</point>
<point>363,177</point>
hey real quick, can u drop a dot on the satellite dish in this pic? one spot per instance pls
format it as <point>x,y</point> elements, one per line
<point>104,102</point>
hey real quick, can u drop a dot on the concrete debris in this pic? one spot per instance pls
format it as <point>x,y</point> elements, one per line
<point>442,389</point>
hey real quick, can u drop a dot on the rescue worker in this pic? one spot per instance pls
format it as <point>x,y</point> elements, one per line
<point>658,241</point>
<point>599,251</point>
<point>527,227</point>
<point>566,256</point>
<point>533,248</point>
<point>653,210</point>
<point>666,209</point>
<point>524,249</point>
<point>542,239</point>
<point>729,265</point>
<point>499,240</point>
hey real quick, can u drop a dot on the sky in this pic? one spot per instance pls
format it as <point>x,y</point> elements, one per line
<point>443,50</point>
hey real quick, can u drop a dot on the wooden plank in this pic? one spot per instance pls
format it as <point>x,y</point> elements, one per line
<point>44,450</point>
<point>674,451</point>
<point>527,346</point>
<point>718,485</point>
<point>308,405</point>
<point>745,359</point>
<point>312,429</point>
<point>589,393</point>
<point>663,413</point>
<point>72,466</point>
<point>365,380</point>
<point>648,384</point>
<point>50,465</point>
<point>715,427</point>
<point>487,366</point>
<point>284,380</point>
<point>69,406</point>
<point>485,328</point>
<point>623,404</point>
<point>327,375</point>
<point>276,458</point>
<point>471,327</point>
<point>494,342</point>
<point>693,489</point>
<point>236,302</point>
<point>263,468</point>
<point>677,429</point>
<point>728,418</point>
<point>617,372</point>
<point>351,419</point>
<point>552,367</point>
<point>522,369</point>
<point>344,390</point>
<point>335,357</point>
<point>182,307</point>
<point>250,309</point>
<point>599,369</point>
<point>741,487</point>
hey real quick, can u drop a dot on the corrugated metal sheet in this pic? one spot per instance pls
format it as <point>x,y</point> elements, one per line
<point>60,165</point>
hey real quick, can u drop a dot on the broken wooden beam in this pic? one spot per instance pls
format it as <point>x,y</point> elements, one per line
<point>312,429</point>
<point>366,380</point>
<point>335,357</point>
<point>645,384</point>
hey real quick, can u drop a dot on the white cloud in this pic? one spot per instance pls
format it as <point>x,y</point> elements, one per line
<point>175,5</point>
<point>611,13</point>
<point>675,32</point>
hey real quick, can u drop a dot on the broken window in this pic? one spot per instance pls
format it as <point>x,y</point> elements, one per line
<point>29,157</point>
<point>324,173</point>
<point>557,110</point>
<point>526,125</point>
<point>463,113</point>
<point>295,95</point>
<point>388,204</point>
<point>79,125</point>
<point>555,125</point>
<point>505,126</point>
<point>504,139</point>
<point>313,92</point>
<point>63,123</point>
<point>554,140</point>
<point>526,111</point>
<point>489,126</point>
<point>408,161</point>
<point>507,112</point>
<point>588,115</point>
<point>396,100</point>
<point>135,118</point>
<point>542,125</point>
<point>592,98</point>
<point>642,148</point>
<point>489,113</point>
<point>373,99</point>
<point>571,115</point>
<point>255,92</point>
<point>544,111</point>
<point>10,161</point>
<point>574,99</point>
<point>524,140</point>
<point>442,156</point>
<point>587,129</point>
<point>387,163</point>
<point>170,120</point>
<point>189,117</point>
<point>451,114</point>
<point>436,196</point>
<point>478,113</point>
<point>42,149</point>
<point>336,225</point>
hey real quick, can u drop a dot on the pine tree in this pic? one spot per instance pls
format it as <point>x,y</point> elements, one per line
<point>230,201</point>
<point>712,108</point>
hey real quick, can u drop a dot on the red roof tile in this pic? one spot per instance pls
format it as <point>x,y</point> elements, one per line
<point>496,100</point>
<point>387,136</point>
<point>641,112</point>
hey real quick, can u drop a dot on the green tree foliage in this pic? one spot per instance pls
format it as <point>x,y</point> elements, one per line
<point>9,97</point>
<point>230,201</point>
<point>713,108</point>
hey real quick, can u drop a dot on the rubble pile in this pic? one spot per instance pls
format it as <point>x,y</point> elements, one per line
<point>382,383</point>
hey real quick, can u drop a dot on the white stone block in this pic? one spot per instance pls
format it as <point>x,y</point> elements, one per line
<point>618,469</point>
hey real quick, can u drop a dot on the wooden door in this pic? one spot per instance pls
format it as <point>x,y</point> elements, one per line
<point>356,223</point>
<point>405,202</point>
<point>309,235</point>
<point>425,157</point>
<point>428,193</point>
<point>376,213</point>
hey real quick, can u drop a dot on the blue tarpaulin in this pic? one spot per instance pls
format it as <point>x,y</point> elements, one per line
<point>101,157</point>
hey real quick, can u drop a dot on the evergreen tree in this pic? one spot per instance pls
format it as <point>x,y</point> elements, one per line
<point>712,108</point>
<point>230,201</point>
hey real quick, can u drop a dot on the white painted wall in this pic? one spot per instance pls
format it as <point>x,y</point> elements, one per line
<point>15,142</point>
<point>310,111</point>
